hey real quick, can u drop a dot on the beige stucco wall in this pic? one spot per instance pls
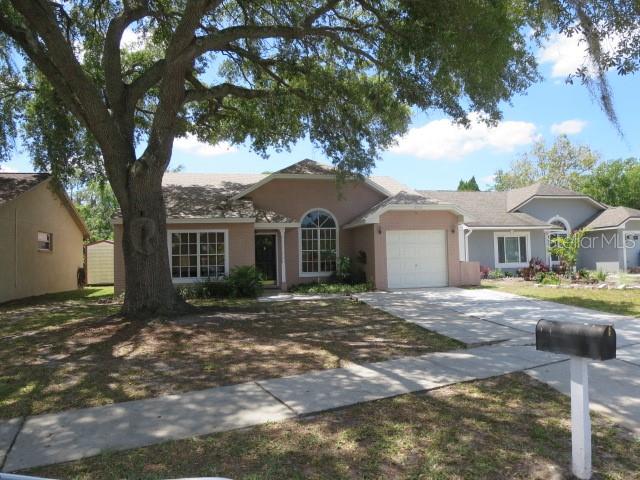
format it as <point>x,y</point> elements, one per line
<point>25,270</point>
<point>294,198</point>
<point>417,220</point>
<point>240,237</point>
<point>363,238</point>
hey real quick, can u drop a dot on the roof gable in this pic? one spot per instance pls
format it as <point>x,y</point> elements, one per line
<point>309,169</point>
<point>613,218</point>
<point>12,185</point>
<point>488,209</point>
<point>518,197</point>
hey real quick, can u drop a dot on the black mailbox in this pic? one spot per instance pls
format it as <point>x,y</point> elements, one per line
<point>588,340</point>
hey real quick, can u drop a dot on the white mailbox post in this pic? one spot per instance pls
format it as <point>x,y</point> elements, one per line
<point>583,342</point>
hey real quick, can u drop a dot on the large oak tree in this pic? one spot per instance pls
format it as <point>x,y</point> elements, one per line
<point>270,72</point>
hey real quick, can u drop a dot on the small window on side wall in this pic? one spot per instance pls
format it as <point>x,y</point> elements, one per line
<point>45,242</point>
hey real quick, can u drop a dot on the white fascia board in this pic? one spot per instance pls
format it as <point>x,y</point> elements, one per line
<point>374,217</point>
<point>509,227</point>
<point>270,226</point>
<point>174,221</point>
<point>303,176</point>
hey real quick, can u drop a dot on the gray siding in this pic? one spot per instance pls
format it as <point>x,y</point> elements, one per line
<point>600,247</point>
<point>573,210</point>
<point>633,249</point>
<point>481,246</point>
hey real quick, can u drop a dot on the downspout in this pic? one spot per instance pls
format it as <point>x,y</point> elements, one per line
<point>624,249</point>
<point>467,232</point>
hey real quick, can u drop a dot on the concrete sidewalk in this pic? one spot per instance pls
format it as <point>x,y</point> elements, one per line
<point>71,435</point>
<point>483,316</point>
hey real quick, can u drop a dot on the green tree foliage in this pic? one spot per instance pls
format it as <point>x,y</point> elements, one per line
<point>567,249</point>
<point>563,164</point>
<point>615,183</point>
<point>270,72</point>
<point>468,186</point>
<point>97,205</point>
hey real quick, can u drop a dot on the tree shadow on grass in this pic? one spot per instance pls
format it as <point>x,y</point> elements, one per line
<point>501,428</point>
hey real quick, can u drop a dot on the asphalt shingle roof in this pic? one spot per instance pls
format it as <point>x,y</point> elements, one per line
<point>12,185</point>
<point>488,209</point>
<point>612,217</point>
<point>208,195</point>
<point>401,198</point>
<point>518,196</point>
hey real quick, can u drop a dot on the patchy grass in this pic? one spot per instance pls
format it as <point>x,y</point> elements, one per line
<point>76,351</point>
<point>324,288</point>
<point>624,302</point>
<point>510,427</point>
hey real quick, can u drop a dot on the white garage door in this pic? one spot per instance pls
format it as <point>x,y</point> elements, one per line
<point>416,258</point>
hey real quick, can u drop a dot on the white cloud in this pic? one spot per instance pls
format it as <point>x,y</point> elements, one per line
<point>192,146</point>
<point>5,169</point>
<point>132,40</point>
<point>488,180</point>
<point>444,139</point>
<point>565,54</point>
<point>568,127</point>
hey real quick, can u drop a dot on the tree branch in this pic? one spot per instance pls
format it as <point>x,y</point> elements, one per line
<point>111,58</point>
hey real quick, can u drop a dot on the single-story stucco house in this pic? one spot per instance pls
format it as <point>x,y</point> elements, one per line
<point>41,237</point>
<point>294,223</point>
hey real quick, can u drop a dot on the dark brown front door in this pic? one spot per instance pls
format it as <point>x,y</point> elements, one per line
<point>266,258</point>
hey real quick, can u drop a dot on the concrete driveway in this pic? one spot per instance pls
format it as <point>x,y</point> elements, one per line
<point>477,317</point>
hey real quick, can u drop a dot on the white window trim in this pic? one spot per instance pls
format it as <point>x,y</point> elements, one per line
<point>50,236</point>
<point>497,235</point>
<point>198,230</point>
<point>316,274</point>
<point>566,231</point>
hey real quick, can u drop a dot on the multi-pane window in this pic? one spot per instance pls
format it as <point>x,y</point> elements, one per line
<point>198,255</point>
<point>45,241</point>
<point>512,249</point>
<point>318,242</point>
<point>212,254</point>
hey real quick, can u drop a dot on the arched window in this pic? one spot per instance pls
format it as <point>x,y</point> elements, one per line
<point>318,242</point>
<point>560,222</point>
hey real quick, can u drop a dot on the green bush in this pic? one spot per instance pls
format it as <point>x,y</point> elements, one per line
<point>245,281</point>
<point>496,274</point>
<point>343,269</point>
<point>341,288</point>
<point>548,278</point>
<point>601,276</point>
<point>203,290</point>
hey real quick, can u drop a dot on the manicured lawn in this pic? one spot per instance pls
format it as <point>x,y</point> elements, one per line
<point>624,302</point>
<point>74,350</point>
<point>509,427</point>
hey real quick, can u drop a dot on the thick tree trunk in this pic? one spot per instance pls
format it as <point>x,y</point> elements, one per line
<point>148,287</point>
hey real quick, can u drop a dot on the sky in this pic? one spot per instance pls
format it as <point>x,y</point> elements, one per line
<point>436,154</point>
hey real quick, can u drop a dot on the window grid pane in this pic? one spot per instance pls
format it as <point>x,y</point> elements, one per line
<point>190,250</point>
<point>318,243</point>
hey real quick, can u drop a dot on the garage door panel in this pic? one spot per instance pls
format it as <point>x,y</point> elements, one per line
<point>416,258</point>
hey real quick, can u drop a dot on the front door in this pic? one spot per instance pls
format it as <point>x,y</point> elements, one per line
<point>266,258</point>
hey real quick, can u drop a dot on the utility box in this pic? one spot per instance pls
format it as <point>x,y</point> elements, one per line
<point>100,263</point>
<point>587,340</point>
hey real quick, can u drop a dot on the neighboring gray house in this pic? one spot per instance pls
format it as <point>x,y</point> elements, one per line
<point>509,228</point>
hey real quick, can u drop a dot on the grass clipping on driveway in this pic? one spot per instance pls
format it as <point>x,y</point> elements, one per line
<point>508,427</point>
<point>74,351</point>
